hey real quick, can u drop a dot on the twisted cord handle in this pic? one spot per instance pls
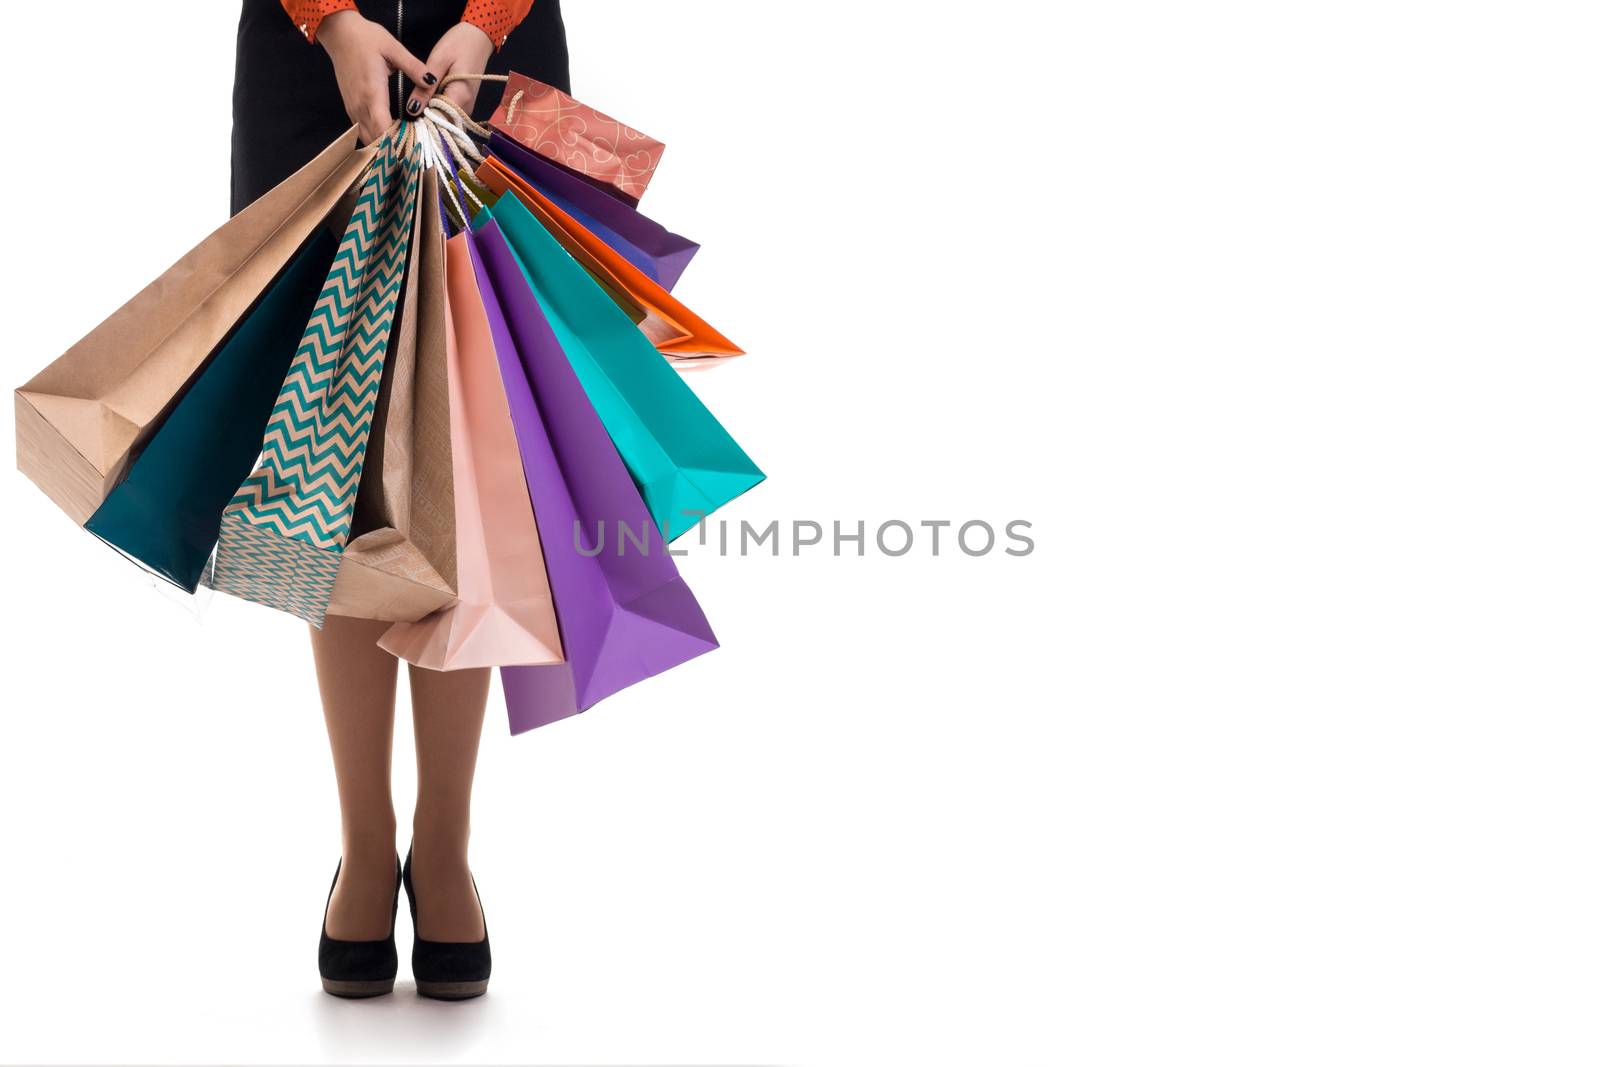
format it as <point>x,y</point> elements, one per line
<point>465,119</point>
<point>443,136</point>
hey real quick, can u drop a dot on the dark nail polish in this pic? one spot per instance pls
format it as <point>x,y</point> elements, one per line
<point>413,107</point>
<point>428,79</point>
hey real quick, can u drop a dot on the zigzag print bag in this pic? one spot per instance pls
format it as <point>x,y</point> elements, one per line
<point>286,528</point>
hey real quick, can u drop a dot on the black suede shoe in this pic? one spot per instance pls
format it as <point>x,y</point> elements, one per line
<point>358,969</point>
<point>446,970</point>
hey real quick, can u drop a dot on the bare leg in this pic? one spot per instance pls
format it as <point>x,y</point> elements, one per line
<point>357,679</point>
<point>447,708</point>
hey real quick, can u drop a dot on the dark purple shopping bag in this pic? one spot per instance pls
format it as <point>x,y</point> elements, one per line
<point>624,612</point>
<point>643,242</point>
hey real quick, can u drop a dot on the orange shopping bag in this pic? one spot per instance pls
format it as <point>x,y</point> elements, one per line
<point>676,331</point>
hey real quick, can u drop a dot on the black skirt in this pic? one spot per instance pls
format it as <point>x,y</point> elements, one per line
<point>286,103</point>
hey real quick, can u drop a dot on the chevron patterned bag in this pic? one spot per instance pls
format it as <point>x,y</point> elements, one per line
<point>285,529</point>
<point>400,562</point>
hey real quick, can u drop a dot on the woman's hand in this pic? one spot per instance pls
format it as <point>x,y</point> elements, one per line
<point>364,55</point>
<point>464,49</point>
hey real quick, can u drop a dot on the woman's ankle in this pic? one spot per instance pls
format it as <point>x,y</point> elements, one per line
<point>361,907</point>
<point>447,902</point>
<point>368,843</point>
<point>440,841</point>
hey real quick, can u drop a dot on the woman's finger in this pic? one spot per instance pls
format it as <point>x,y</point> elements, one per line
<point>423,93</point>
<point>374,120</point>
<point>425,80</point>
<point>462,95</point>
<point>450,57</point>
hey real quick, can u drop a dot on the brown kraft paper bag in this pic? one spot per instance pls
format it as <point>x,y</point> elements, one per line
<point>81,419</point>
<point>400,564</point>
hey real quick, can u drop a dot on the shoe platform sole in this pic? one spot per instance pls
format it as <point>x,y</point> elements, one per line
<point>452,990</point>
<point>357,990</point>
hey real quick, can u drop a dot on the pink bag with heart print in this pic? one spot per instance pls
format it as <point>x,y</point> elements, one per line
<point>614,157</point>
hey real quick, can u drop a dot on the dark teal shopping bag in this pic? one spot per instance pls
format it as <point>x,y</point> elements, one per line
<point>167,512</point>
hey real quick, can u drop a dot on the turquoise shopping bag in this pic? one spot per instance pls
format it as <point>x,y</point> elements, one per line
<point>684,463</point>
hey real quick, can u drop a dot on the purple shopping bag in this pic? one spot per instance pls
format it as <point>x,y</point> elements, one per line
<point>624,612</point>
<point>646,244</point>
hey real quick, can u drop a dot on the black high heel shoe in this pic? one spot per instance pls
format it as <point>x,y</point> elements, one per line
<point>446,970</point>
<point>356,969</point>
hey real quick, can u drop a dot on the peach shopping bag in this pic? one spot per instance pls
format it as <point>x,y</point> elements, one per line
<point>503,615</point>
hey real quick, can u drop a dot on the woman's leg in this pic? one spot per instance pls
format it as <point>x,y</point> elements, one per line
<point>447,709</point>
<point>357,679</point>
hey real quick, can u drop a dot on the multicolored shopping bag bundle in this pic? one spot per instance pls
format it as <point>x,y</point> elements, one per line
<point>431,381</point>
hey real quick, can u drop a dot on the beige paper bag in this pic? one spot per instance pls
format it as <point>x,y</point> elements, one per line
<point>80,419</point>
<point>400,563</point>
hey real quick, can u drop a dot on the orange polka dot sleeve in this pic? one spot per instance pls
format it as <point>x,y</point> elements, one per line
<point>497,18</point>
<point>307,15</point>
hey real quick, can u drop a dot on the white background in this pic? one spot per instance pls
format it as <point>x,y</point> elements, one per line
<point>1277,321</point>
